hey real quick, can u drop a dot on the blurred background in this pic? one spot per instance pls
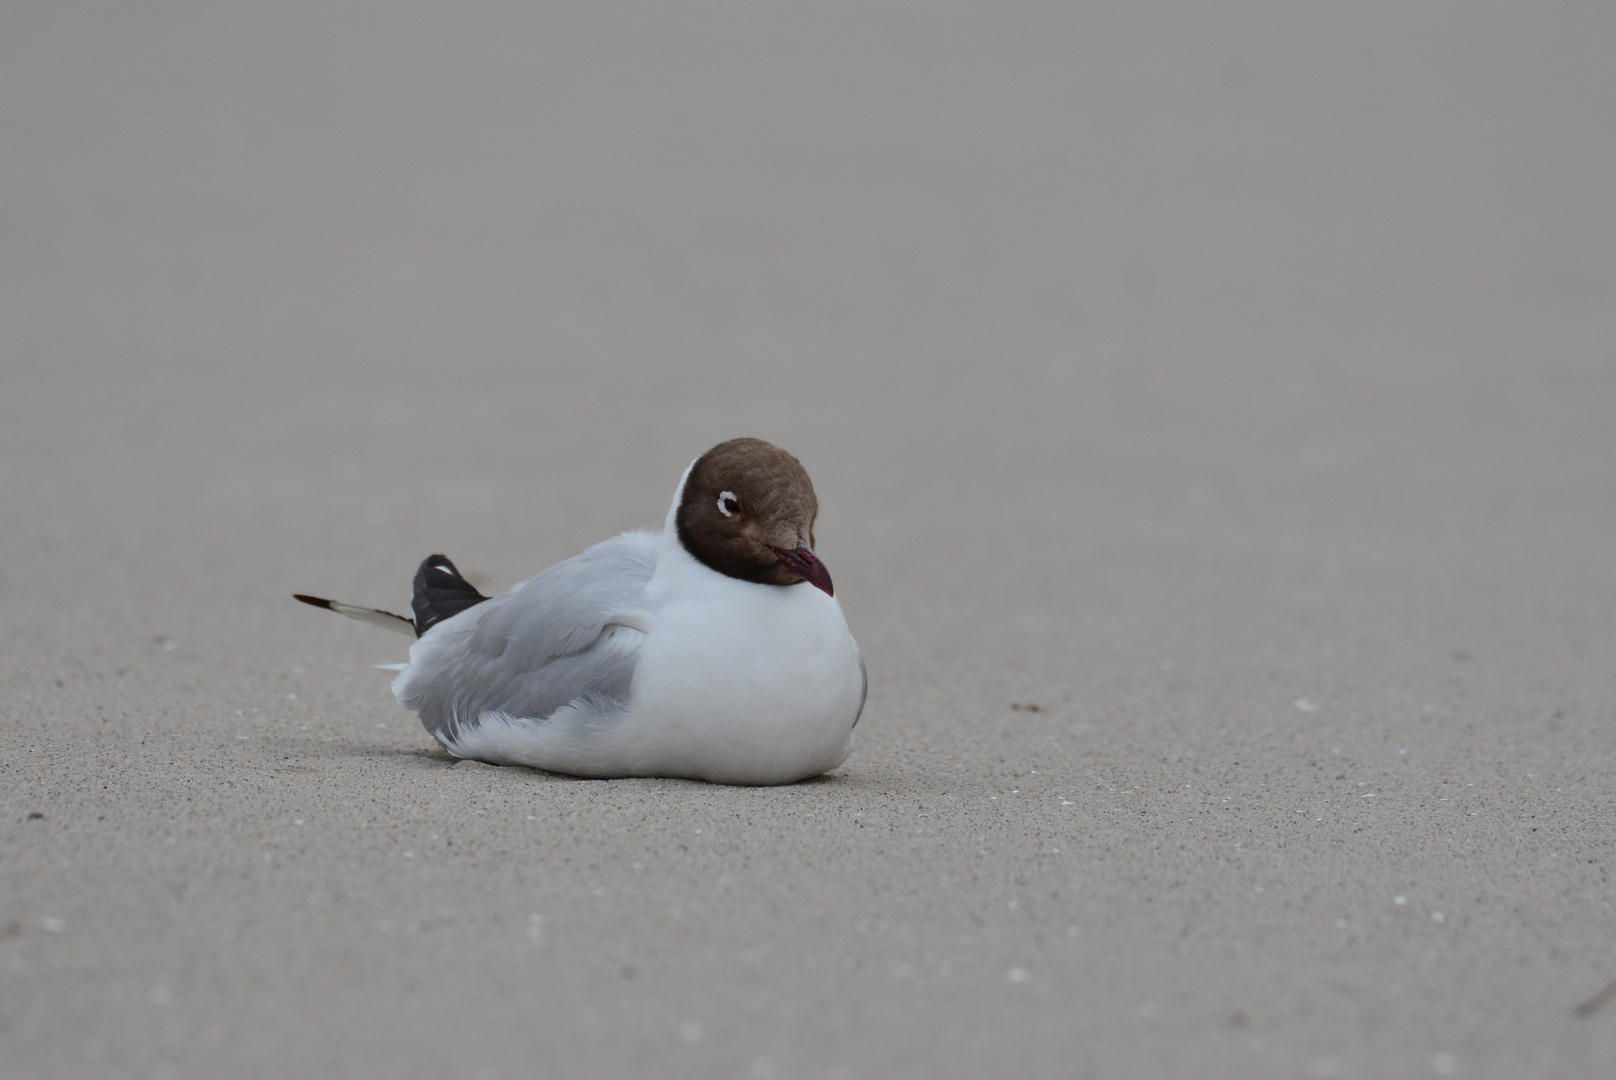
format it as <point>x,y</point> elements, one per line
<point>1159,360</point>
<point>488,272</point>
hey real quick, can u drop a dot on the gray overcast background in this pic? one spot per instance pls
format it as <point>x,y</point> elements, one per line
<point>1236,383</point>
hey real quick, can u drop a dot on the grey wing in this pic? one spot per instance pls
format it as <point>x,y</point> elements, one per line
<point>565,636</point>
<point>864,673</point>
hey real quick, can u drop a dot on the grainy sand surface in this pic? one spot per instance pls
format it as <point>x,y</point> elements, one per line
<point>1238,388</point>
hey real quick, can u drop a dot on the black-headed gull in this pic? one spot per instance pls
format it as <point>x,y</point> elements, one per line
<point>713,650</point>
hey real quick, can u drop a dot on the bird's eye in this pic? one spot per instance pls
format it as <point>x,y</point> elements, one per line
<point>728,503</point>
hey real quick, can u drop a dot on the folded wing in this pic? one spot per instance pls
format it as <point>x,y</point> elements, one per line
<point>570,636</point>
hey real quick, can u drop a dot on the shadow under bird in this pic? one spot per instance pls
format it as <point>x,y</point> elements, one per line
<point>713,650</point>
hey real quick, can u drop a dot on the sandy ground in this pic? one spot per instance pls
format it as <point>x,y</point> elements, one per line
<point>1237,388</point>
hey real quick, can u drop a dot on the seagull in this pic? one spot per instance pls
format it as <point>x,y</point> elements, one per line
<point>713,650</point>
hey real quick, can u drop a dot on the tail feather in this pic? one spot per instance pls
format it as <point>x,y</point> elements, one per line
<point>373,616</point>
<point>441,593</point>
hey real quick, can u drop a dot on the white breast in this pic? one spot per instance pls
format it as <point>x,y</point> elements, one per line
<point>743,683</point>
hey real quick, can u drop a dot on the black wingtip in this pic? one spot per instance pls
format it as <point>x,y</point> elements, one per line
<point>313,601</point>
<point>440,593</point>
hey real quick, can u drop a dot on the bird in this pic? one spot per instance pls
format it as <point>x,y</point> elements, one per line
<point>712,650</point>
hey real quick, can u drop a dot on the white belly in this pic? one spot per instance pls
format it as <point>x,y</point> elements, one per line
<point>744,684</point>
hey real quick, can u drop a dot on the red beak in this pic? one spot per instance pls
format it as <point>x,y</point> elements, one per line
<point>805,562</point>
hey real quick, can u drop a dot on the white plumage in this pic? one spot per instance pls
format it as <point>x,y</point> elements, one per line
<point>636,659</point>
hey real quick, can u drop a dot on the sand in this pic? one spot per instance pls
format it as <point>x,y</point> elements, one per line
<point>1214,420</point>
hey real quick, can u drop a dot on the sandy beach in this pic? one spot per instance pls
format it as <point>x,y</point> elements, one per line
<point>1213,418</point>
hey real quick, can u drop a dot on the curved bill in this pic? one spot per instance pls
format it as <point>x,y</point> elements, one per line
<point>803,561</point>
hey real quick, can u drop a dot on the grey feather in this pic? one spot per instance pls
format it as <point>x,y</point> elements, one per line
<point>567,636</point>
<point>864,673</point>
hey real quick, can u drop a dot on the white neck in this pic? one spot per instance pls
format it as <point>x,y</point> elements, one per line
<point>670,525</point>
<point>672,558</point>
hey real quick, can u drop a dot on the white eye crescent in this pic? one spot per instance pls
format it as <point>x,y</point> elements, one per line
<point>728,503</point>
